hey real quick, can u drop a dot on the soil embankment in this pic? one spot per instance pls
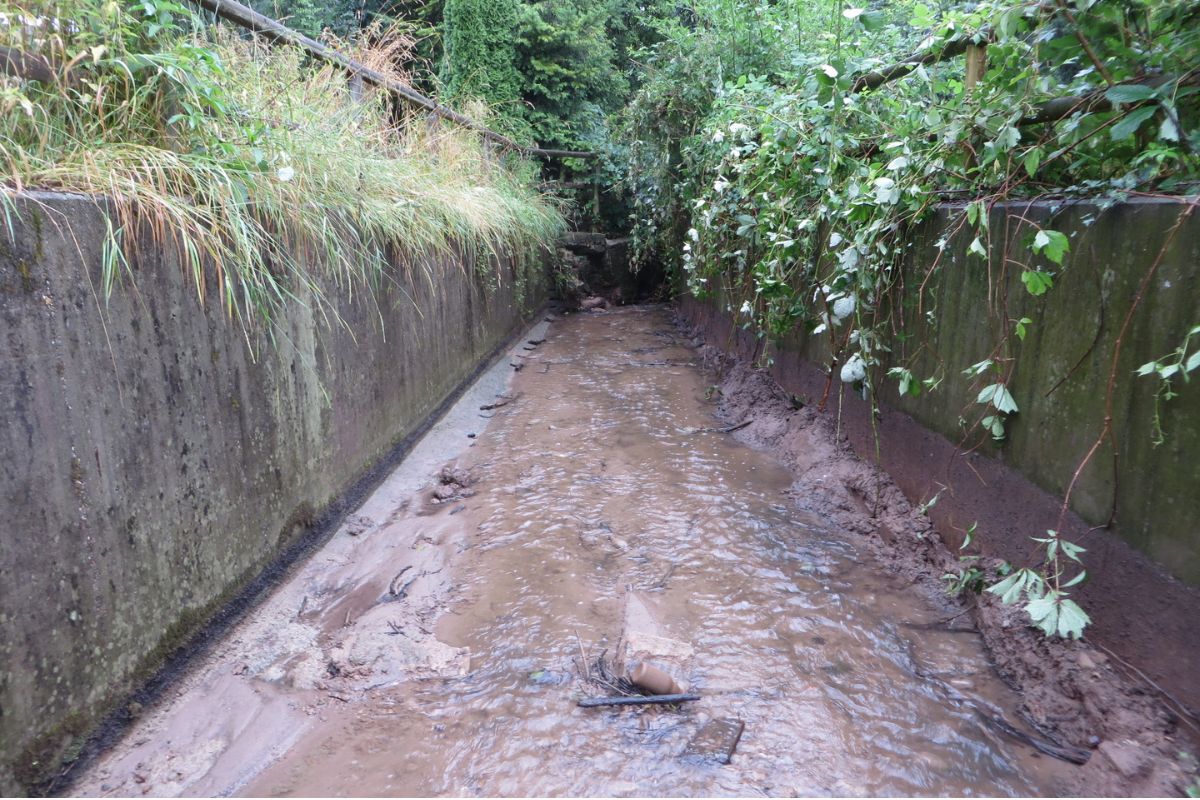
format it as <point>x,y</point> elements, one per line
<point>1074,692</point>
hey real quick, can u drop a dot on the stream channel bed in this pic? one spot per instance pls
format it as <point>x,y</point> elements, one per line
<point>434,648</point>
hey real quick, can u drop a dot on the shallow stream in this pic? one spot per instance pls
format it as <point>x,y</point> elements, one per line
<point>609,482</point>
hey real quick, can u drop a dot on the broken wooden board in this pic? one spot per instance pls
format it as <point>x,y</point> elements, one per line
<point>716,740</point>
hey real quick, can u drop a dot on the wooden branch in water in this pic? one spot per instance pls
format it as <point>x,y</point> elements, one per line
<point>1075,755</point>
<point>649,700</point>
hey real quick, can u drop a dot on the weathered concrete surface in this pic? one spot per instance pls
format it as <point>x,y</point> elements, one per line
<point>151,466</point>
<point>1140,599</point>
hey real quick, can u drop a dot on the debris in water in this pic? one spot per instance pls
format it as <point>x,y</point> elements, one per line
<point>392,587</point>
<point>716,740</point>
<point>452,484</point>
<point>650,700</point>
<point>651,679</point>
<point>502,400</point>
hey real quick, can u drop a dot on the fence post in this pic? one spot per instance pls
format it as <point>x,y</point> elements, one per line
<point>356,87</point>
<point>596,195</point>
<point>976,64</point>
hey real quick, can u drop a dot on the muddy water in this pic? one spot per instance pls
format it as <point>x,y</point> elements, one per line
<point>599,487</point>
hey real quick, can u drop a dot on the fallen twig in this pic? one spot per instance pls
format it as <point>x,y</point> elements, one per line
<point>582,657</point>
<point>503,401</point>
<point>392,590</point>
<point>995,718</point>
<point>1179,705</point>
<point>649,700</point>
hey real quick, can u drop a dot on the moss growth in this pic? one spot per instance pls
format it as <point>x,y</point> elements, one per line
<point>42,764</point>
<point>38,767</point>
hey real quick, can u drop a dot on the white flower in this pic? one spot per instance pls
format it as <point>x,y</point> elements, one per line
<point>745,309</point>
<point>843,307</point>
<point>720,185</point>
<point>285,173</point>
<point>855,369</point>
<point>719,136</point>
<point>687,248</point>
<point>694,234</point>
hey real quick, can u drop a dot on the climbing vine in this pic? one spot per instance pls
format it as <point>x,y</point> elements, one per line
<point>797,193</point>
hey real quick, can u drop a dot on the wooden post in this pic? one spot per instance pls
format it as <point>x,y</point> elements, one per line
<point>976,64</point>
<point>596,196</point>
<point>976,56</point>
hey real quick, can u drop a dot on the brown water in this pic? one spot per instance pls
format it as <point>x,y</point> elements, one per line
<point>596,480</point>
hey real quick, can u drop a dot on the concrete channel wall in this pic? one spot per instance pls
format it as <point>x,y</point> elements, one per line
<point>153,465</point>
<point>1143,593</point>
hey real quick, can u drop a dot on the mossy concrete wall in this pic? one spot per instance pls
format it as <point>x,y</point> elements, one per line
<point>1144,591</point>
<point>151,463</point>
<point>1059,374</point>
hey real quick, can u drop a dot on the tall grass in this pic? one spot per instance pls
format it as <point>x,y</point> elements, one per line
<point>251,158</point>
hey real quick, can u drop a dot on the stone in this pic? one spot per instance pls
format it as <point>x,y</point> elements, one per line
<point>716,740</point>
<point>1128,757</point>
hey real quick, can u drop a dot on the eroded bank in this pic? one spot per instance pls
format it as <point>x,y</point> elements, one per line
<point>1143,562</point>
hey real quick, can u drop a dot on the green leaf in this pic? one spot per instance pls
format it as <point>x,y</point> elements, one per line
<point>1044,613</point>
<point>1132,121</point>
<point>1009,590</point>
<point>1053,244</point>
<point>1008,138</point>
<point>1078,579</point>
<point>1021,323</point>
<point>1168,131</point>
<point>997,394</point>
<point>1129,93</point>
<point>1003,401</point>
<point>1192,362</point>
<point>1071,550</point>
<point>1033,160</point>
<point>979,368</point>
<point>872,20</point>
<point>1037,283</point>
<point>1071,619</point>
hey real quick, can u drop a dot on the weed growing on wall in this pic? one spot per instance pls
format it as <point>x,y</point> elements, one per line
<point>246,157</point>
<point>786,159</point>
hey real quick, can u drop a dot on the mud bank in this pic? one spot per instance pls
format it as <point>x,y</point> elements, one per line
<point>1073,692</point>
